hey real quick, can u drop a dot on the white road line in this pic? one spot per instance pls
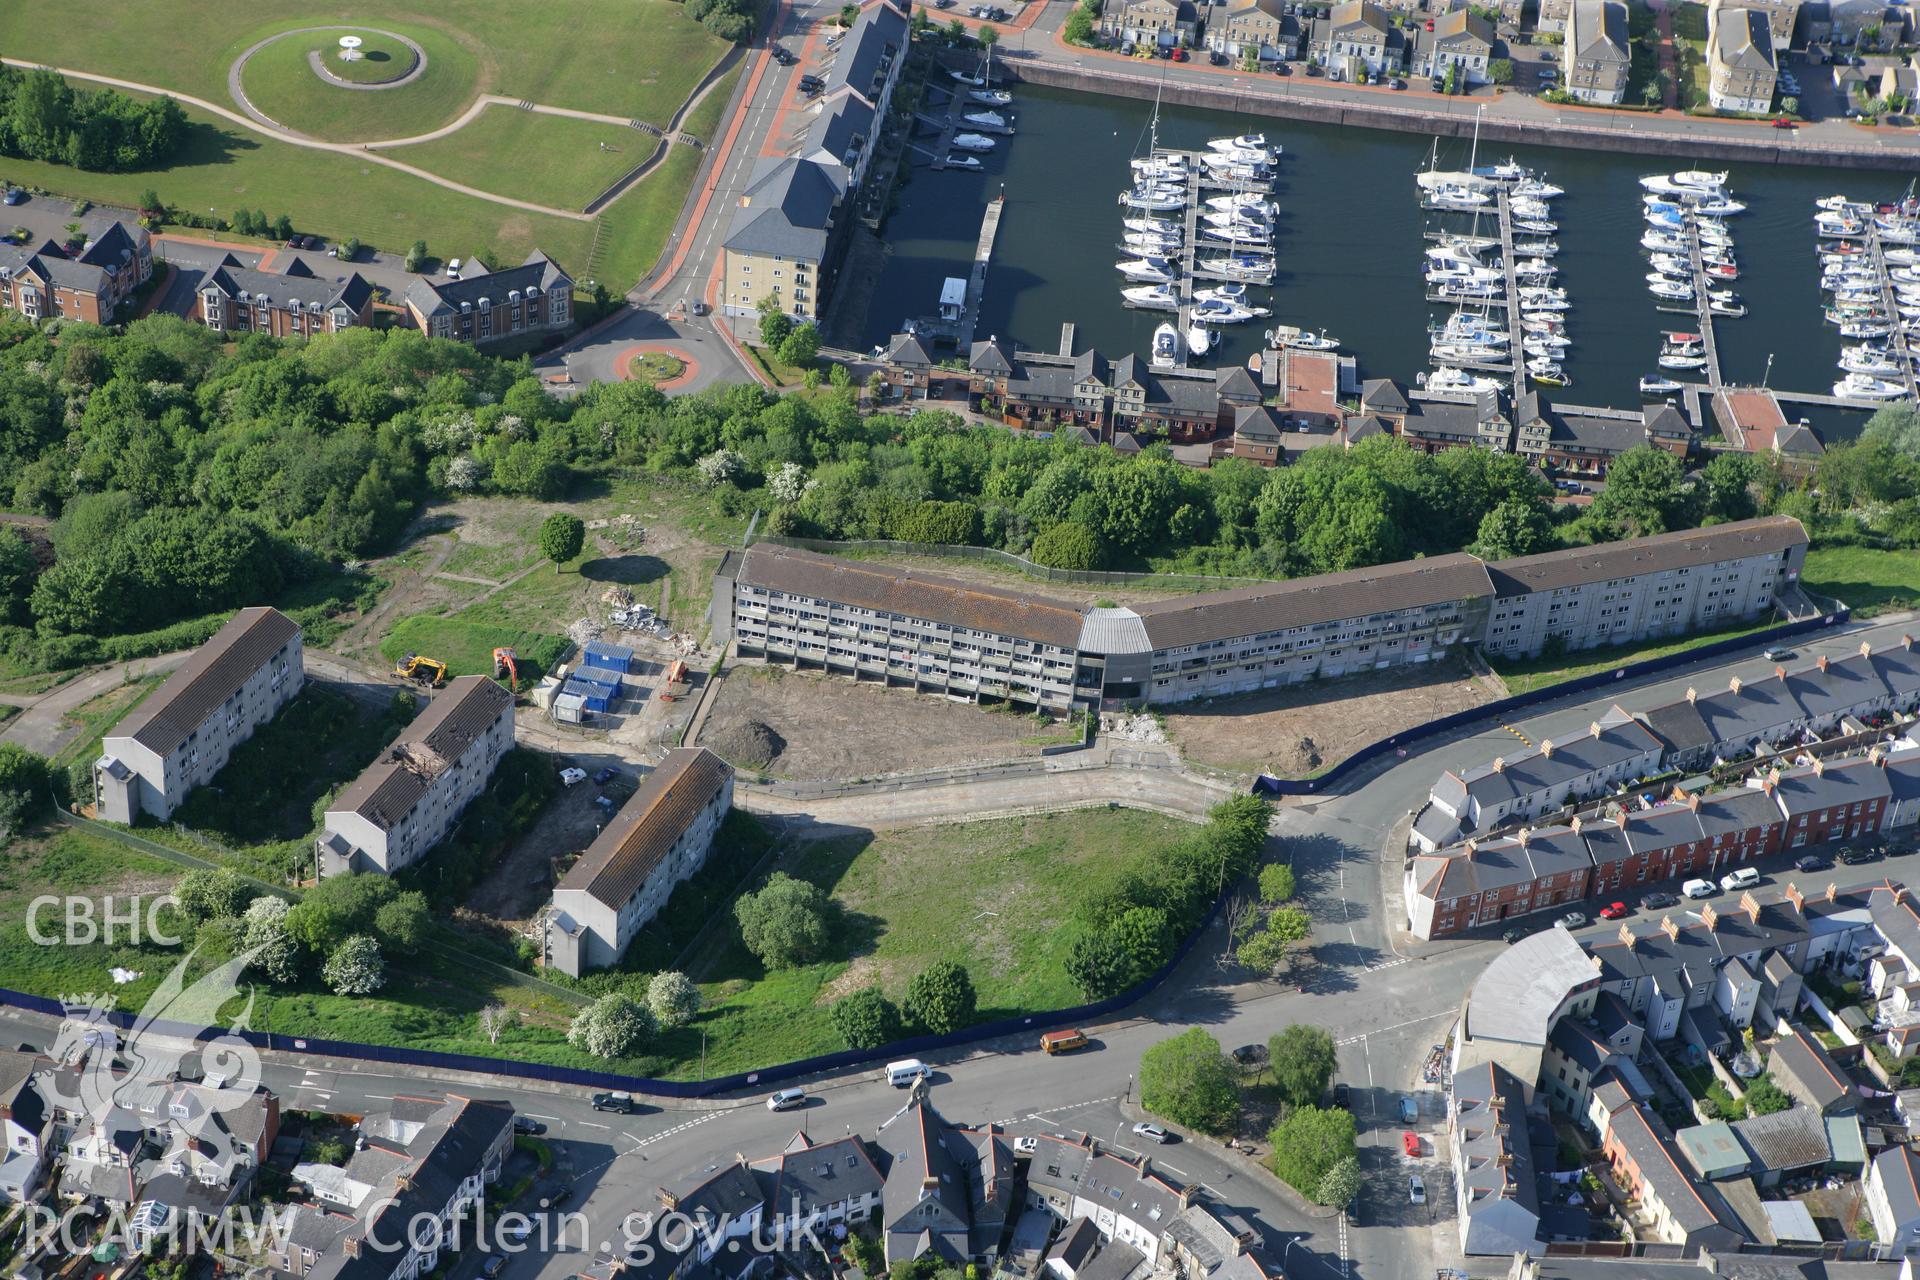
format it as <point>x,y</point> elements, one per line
<point>1410,1022</point>
<point>589,1124</point>
<point>1343,1245</point>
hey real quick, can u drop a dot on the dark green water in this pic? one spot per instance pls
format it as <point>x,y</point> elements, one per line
<point>1350,245</point>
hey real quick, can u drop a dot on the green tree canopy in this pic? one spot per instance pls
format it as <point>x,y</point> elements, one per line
<point>211,893</point>
<point>1302,1061</point>
<point>1276,883</point>
<point>1191,1082</point>
<point>561,537</point>
<point>1514,528</point>
<point>1308,1143</point>
<point>866,1019</point>
<point>786,923</point>
<point>941,997</point>
<point>1068,545</point>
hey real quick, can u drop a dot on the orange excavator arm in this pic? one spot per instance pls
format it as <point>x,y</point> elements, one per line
<point>503,660</point>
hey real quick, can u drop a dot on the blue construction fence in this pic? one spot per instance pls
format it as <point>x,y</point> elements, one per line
<point>1266,784</point>
<point>1030,1024</point>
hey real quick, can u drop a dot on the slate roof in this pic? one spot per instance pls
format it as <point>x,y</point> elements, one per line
<point>1694,1205</point>
<point>1855,781</point>
<point>296,285</point>
<point>787,209</point>
<point>1075,1246</point>
<point>1801,1067</point>
<point>457,718</point>
<point>115,246</point>
<point>880,32</point>
<point>990,356</point>
<point>1235,383</point>
<point>1491,1132</point>
<point>1578,565</point>
<point>811,1176</point>
<point>214,673</point>
<point>1331,597</point>
<point>49,264</point>
<point>1462,26</point>
<point>1691,954</point>
<point>1792,1139</point>
<point>443,297</point>
<point>629,850</point>
<point>912,593</point>
<point>1382,395</point>
<point>905,350</point>
<point>1899,1174</point>
<point>1482,865</point>
<point>841,131</point>
<point>1579,1044</point>
<point>1742,40</point>
<point>1897,920</point>
<point>1257,423</point>
<point>1528,773</point>
<point>1602,28</point>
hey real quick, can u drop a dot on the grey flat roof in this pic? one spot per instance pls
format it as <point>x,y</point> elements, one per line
<point>1517,995</point>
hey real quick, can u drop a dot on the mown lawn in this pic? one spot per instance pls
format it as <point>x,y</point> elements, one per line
<point>551,160</point>
<point>1870,580</point>
<point>280,81</point>
<point>995,896</point>
<point>1535,673</point>
<point>467,647</point>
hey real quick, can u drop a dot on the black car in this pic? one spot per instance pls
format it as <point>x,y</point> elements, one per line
<point>781,56</point>
<point>1341,1096</point>
<point>617,1101</point>
<point>1656,901</point>
<point>1217,58</point>
<point>812,83</point>
<point>495,1263</point>
<point>1812,862</point>
<point>1854,857</point>
<point>1250,1054</point>
<point>1512,936</point>
<point>528,1125</point>
<point>604,776</point>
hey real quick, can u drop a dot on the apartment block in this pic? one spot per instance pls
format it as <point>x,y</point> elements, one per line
<point>45,281</point>
<point>187,728</point>
<point>1740,61</point>
<point>410,799</point>
<point>1598,55</point>
<point>1644,588</point>
<point>482,306</point>
<point>660,837</point>
<point>294,303</point>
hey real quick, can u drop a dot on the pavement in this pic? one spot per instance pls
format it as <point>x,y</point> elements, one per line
<point>42,725</point>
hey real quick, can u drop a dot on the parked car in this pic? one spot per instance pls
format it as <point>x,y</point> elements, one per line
<point>1342,1096</point>
<point>1179,55</point>
<point>1151,1132</point>
<point>1855,856</point>
<point>1249,1054</point>
<point>1513,935</point>
<point>1699,889</point>
<point>1571,920</point>
<point>1217,58</point>
<point>603,776</point>
<point>605,802</point>
<point>1776,655</point>
<point>1416,1189</point>
<point>1398,83</point>
<point>528,1125</point>
<point>1410,1143</point>
<point>15,195</point>
<point>619,1100</point>
<point>1812,862</point>
<point>786,1099</point>
<point>572,777</point>
<point>1546,55</point>
<point>293,242</point>
<point>1657,901</point>
<point>494,1265</point>
<point>1743,878</point>
<point>1409,1109</point>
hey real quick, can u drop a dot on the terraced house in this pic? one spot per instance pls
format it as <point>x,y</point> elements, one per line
<point>1156,22</point>
<point>1262,28</point>
<point>1461,42</point>
<point>1598,56</point>
<point>409,800</point>
<point>185,731</point>
<point>1358,37</point>
<point>1740,61</point>
<point>45,281</point>
<point>294,303</point>
<point>484,306</point>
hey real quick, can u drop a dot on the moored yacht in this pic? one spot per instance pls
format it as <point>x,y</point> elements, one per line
<point>1154,270</point>
<point>1863,386</point>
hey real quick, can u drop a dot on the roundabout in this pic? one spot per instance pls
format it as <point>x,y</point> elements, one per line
<point>352,83</point>
<point>666,368</point>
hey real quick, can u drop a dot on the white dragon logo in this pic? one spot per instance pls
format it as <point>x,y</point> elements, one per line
<point>136,1089</point>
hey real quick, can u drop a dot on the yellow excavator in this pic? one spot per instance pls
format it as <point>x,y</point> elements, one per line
<point>421,670</point>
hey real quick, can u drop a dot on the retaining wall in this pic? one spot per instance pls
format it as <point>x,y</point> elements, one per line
<point>1610,131</point>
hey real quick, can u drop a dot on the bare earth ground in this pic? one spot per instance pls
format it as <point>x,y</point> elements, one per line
<point>834,728</point>
<point>988,574</point>
<point>522,882</point>
<point>1271,730</point>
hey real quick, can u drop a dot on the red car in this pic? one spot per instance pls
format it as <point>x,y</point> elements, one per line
<point>1410,1141</point>
<point>1179,55</point>
<point>1783,123</point>
<point>1614,911</point>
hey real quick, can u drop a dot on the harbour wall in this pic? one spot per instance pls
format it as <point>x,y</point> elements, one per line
<point>1618,135</point>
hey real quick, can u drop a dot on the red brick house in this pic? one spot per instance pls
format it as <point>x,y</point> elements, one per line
<point>1832,801</point>
<point>484,306</point>
<point>44,281</point>
<point>294,303</point>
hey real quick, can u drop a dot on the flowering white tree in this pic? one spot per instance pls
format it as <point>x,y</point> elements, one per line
<point>789,483</point>
<point>356,967</point>
<point>673,998</point>
<point>464,474</point>
<point>722,466</point>
<point>611,1027</point>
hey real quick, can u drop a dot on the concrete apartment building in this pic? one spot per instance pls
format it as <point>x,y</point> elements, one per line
<point>187,728</point>
<point>660,837</point>
<point>941,635</point>
<point>409,800</point>
<point>43,281</point>
<point>293,303</point>
<point>1740,61</point>
<point>1598,56</point>
<point>1644,588</point>
<point>489,306</point>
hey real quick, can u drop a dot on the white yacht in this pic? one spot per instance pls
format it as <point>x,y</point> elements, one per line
<point>963,162</point>
<point>1447,378</point>
<point>1536,226</point>
<point>1245,142</point>
<point>1222,292</point>
<point>1534,269</point>
<point>1153,226</point>
<point>1694,180</point>
<point>1150,199</point>
<point>1166,346</point>
<point>1838,226</point>
<point>1547,372</point>
<point>1682,360</point>
<point>964,78</point>
<point>1865,359</point>
<point>1221,311</point>
<point>1663,242</point>
<point>1465,351</point>
<point>986,119</point>
<point>1300,340</point>
<point>1458,198</point>
<point>1866,328</point>
<point>1537,189</point>
<point>1671,290</point>
<point>1536,248</point>
<point>1653,386</point>
<point>1250,201</point>
<point>1528,207</point>
<point>991,97</point>
<point>1199,341</point>
<point>1150,246</point>
<point>1238,233</point>
<point>1151,295</point>
<point>1863,386</point>
<point>1508,170</point>
<point>974,142</point>
<point>1152,270</point>
<point>1239,266</point>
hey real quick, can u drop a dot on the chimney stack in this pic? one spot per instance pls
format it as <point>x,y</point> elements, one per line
<point>1750,905</point>
<point>1821,663</point>
<point>1906,642</point>
<point>1819,767</point>
<point>1574,826</point>
<point>1710,918</point>
<point>1627,937</point>
<point>1593,730</point>
<point>1734,685</point>
<point>1499,764</point>
<point>1797,898</point>
<point>1693,802</point>
<point>1866,649</point>
<point>1546,748</point>
<point>1692,695</point>
<point>1668,927</point>
<point>1833,891</point>
<point>1780,672</point>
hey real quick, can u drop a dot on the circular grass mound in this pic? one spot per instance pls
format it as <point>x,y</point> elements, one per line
<point>382,59</point>
<point>280,81</point>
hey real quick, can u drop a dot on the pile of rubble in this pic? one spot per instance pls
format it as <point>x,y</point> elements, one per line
<point>1132,728</point>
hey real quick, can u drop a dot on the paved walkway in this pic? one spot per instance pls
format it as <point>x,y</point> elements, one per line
<point>1668,54</point>
<point>43,726</point>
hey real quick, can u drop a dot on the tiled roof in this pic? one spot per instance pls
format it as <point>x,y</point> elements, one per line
<point>1578,565</point>
<point>628,851</point>
<point>296,285</point>
<point>1693,1205</point>
<point>477,284</point>
<point>787,209</point>
<point>457,718</point>
<point>214,673</point>
<point>1821,1083</point>
<point>1826,786</point>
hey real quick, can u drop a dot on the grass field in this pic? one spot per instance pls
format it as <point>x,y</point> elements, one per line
<point>467,647</point>
<point>995,896</point>
<point>1870,580</point>
<point>1536,673</point>
<point>280,82</point>
<point>553,160</point>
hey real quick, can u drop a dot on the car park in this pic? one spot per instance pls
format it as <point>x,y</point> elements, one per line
<point>1151,1132</point>
<point>1657,901</point>
<point>1571,920</point>
<point>1614,911</point>
<point>1812,862</point>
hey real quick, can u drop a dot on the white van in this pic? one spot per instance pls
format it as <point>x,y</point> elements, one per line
<point>1699,889</point>
<point>786,1099</point>
<point>903,1073</point>
<point>1743,878</point>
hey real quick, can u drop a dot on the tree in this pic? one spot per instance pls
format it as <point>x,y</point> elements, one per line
<point>789,483</point>
<point>775,324</point>
<point>1514,528</point>
<point>1265,951</point>
<point>941,997</point>
<point>1790,105</point>
<point>988,37</point>
<point>494,1019</point>
<point>1340,1184</point>
<point>150,201</point>
<point>786,923</point>
<point>722,466</point>
<point>1308,1143</point>
<point>1731,480</point>
<point>417,257</point>
<point>1079,27</point>
<point>1068,545</point>
<point>866,1019</point>
<point>267,934</point>
<point>283,228</point>
<point>1500,70</point>
<point>403,923</point>
<point>1302,1060</point>
<point>672,998</point>
<point>1898,427</point>
<point>24,779</point>
<point>355,968</point>
<point>1190,1082</point>
<point>337,908</point>
<point>350,248</point>
<point>561,537</point>
<point>613,1026</point>
<point>1764,1097</point>
<point>212,893</point>
<point>800,346</point>
<point>1644,493</point>
<point>1276,883</point>
<point>956,32</point>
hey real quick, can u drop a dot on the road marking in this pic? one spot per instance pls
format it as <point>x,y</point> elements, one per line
<point>1054,1111</point>
<point>1343,1244</point>
<point>679,1128</point>
<point>1516,733</point>
<point>1410,1022</point>
<point>1386,964</point>
<point>589,1124</point>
